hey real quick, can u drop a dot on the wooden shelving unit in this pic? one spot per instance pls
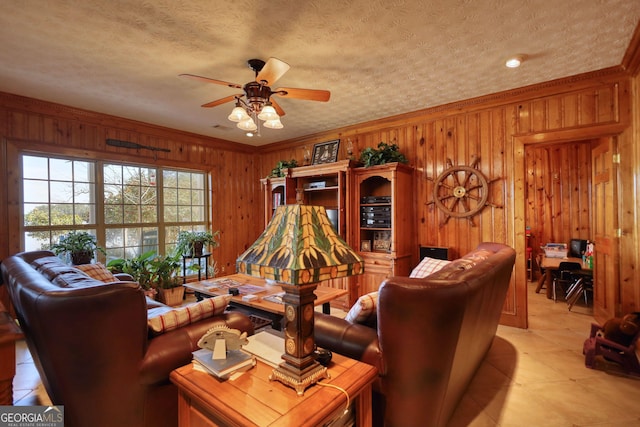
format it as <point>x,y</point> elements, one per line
<point>382,223</point>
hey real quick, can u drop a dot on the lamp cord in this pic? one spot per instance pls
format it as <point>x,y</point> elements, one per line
<point>346,408</point>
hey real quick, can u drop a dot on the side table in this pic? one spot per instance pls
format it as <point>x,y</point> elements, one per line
<point>196,257</point>
<point>253,400</point>
<point>9,334</point>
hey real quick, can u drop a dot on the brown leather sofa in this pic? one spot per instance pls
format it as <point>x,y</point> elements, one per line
<point>432,335</point>
<point>91,345</point>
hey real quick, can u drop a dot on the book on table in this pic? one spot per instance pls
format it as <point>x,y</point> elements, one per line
<point>236,360</point>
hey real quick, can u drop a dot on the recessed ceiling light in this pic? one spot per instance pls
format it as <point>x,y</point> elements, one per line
<point>515,61</point>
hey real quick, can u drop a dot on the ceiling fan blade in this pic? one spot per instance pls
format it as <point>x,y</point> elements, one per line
<point>208,80</point>
<point>221,101</point>
<point>273,69</point>
<point>278,108</point>
<point>310,94</point>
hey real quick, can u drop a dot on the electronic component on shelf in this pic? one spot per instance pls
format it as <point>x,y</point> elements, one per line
<point>375,199</point>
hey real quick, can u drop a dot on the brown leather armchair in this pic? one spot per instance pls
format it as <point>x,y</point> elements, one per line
<point>91,345</point>
<point>431,336</point>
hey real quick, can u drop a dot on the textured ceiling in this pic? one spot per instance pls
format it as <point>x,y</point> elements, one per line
<point>377,57</point>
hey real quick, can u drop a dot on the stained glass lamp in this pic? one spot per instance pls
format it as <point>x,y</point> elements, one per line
<point>298,249</point>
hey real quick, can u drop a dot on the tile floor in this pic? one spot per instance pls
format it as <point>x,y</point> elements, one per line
<point>533,377</point>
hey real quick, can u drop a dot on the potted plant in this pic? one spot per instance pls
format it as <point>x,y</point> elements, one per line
<point>278,170</point>
<point>139,268</point>
<point>385,153</point>
<point>80,245</point>
<point>166,279</point>
<point>192,243</point>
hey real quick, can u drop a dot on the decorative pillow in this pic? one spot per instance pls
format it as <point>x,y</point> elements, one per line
<point>179,317</point>
<point>364,310</point>
<point>98,271</point>
<point>428,266</point>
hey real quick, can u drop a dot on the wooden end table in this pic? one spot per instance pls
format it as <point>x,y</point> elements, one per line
<point>254,400</point>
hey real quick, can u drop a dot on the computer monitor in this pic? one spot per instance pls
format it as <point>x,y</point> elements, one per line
<point>577,247</point>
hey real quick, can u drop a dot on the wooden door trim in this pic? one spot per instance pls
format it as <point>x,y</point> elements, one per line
<point>520,318</point>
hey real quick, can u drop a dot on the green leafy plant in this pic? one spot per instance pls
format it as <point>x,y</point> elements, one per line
<point>385,153</point>
<point>165,271</point>
<point>190,242</point>
<point>80,245</point>
<point>278,170</point>
<point>150,270</point>
<point>138,267</point>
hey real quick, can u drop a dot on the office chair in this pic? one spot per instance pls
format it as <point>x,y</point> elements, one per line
<point>565,277</point>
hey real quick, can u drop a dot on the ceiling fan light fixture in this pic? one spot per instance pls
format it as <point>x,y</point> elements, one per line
<point>274,124</point>
<point>248,124</point>
<point>268,113</point>
<point>238,114</point>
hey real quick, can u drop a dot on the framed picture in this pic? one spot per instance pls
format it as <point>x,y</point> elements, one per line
<point>382,241</point>
<point>365,246</point>
<point>325,152</point>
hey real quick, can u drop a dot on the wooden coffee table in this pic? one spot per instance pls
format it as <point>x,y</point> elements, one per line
<point>267,302</point>
<point>254,400</point>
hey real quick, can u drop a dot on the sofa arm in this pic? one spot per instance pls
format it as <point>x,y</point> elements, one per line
<point>353,340</point>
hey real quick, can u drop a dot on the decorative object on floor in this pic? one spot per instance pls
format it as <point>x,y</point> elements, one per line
<point>256,103</point>
<point>298,249</point>
<point>325,152</point>
<point>79,245</point>
<point>385,153</point>
<point>461,191</point>
<point>615,346</point>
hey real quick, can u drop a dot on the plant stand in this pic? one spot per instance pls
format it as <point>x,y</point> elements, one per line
<point>172,296</point>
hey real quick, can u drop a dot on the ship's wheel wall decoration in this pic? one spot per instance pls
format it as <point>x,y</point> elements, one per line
<point>461,191</point>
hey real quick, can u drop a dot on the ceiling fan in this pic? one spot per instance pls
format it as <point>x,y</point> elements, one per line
<point>256,103</point>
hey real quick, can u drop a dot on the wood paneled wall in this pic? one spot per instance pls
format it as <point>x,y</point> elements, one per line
<point>28,124</point>
<point>558,193</point>
<point>498,129</point>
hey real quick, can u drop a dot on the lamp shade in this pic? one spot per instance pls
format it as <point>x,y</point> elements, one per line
<point>298,247</point>
<point>238,114</point>
<point>247,124</point>
<point>273,124</point>
<point>268,113</point>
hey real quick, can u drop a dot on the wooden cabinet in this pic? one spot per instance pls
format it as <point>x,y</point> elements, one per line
<point>325,185</point>
<point>320,185</point>
<point>276,192</point>
<point>382,224</point>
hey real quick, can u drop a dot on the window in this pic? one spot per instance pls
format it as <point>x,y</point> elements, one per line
<point>131,217</point>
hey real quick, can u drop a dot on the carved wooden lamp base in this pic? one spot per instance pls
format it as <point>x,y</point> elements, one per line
<point>290,376</point>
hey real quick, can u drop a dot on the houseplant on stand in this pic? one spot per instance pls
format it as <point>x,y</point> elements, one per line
<point>79,245</point>
<point>194,243</point>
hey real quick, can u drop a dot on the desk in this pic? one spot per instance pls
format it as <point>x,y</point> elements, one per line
<point>254,400</point>
<point>552,264</point>
<point>262,305</point>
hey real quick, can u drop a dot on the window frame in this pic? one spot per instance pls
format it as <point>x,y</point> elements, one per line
<point>100,225</point>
